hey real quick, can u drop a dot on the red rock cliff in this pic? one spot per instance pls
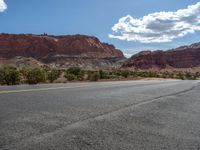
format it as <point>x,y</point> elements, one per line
<point>182,57</point>
<point>61,50</point>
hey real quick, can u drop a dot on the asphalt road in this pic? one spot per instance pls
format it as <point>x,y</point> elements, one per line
<point>129,115</point>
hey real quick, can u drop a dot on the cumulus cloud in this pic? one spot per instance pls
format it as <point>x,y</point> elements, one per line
<point>3,6</point>
<point>159,26</point>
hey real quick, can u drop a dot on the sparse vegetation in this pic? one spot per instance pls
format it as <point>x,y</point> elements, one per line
<point>35,76</point>
<point>103,74</point>
<point>74,73</point>
<point>70,77</point>
<point>95,76</point>
<point>125,73</point>
<point>11,76</point>
<point>53,74</point>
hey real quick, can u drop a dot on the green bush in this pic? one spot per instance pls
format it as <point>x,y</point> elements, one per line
<point>74,73</point>
<point>70,77</point>
<point>180,75</point>
<point>9,75</point>
<point>197,75</point>
<point>125,73</point>
<point>94,77</point>
<point>74,70</point>
<point>103,74</point>
<point>2,81</point>
<point>190,76</point>
<point>35,76</point>
<point>81,75</point>
<point>53,75</point>
<point>24,71</point>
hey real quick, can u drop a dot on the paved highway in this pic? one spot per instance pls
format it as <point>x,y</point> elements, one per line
<point>129,115</point>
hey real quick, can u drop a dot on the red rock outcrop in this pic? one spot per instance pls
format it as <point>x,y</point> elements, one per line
<point>182,57</point>
<point>61,51</point>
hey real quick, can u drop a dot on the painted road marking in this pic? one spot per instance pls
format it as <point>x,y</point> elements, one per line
<point>65,87</point>
<point>40,89</point>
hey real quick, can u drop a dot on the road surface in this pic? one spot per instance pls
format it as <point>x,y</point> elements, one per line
<point>128,115</point>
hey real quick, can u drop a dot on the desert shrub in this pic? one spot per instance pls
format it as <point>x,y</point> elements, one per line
<point>144,74</point>
<point>81,75</point>
<point>53,74</point>
<point>94,76</point>
<point>166,75</point>
<point>197,75</point>
<point>70,77</point>
<point>116,72</point>
<point>180,75</point>
<point>103,74</point>
<point>74,70</point>
<point>153,74</point>
<point>2,81</point>
<point>23,71</point>
<point>187,75</point>
<point>35,75</point>
<point>9,75</point>
<point>133,73</point>
<point>125,73</point>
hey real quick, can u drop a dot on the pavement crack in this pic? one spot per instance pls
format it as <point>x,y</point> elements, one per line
<point>40,138</point>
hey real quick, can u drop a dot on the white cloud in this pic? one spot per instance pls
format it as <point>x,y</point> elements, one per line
<point>127,55</point>
<point>159,26</point>
<point>3,6</point>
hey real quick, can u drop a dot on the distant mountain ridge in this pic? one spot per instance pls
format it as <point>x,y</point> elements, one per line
<point>59,51</point>
<point>88,52</point>
<point>181,57</point>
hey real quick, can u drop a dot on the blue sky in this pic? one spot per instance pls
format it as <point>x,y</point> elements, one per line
<point>96,18</point>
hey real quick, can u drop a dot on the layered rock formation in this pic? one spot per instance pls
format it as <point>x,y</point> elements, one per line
<point>182,57</point>
<point>60,51</point>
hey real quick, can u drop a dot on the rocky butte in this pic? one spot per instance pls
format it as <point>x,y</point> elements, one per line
<point>180,58</point>
<point>58,51</point>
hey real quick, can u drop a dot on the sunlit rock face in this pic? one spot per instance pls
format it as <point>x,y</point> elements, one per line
<point>61,51</point>
<point>182,57</point>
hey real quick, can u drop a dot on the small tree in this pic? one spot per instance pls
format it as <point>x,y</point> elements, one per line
<point>35,76</point>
